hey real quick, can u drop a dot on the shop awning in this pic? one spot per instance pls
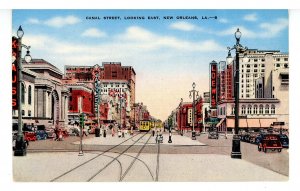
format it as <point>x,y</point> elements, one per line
<point>253,123</point>
<point>242,123</point>
<point>266,122</point>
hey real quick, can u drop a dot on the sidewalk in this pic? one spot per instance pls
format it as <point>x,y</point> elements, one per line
<point>109,140</point>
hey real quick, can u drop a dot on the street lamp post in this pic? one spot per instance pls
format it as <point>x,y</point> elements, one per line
<point>180,119</point>
<point>236,145</point>
<point>20,149</point>
<point>192,94</point>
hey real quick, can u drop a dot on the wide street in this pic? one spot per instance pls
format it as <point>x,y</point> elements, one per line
<point>138,158</point>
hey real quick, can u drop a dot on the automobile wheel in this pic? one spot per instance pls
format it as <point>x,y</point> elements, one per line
<point>279,150</point>
<point>258,148</point>
<point>265,150</point>
<point>38,137</point>
<point>45,137</point>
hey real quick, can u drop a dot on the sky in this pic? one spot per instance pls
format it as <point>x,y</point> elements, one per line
<point>168,55</point>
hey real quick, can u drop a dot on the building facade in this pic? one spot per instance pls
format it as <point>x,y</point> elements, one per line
<point>113,89</point>
<point>45,97</point>
<point>263,89</point>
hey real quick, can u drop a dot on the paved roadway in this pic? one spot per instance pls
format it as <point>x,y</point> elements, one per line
<point>182,160</point>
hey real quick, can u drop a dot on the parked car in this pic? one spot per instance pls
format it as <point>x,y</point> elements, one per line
<point>41,133</point>
<point>284,139</point>
<point>252,138</point>
<point>213,135</point>
<point>271,142</point>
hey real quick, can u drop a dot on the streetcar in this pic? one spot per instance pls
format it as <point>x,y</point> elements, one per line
<point>145,125</point>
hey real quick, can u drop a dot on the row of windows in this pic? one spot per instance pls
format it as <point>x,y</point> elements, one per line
<point>261,109</point>
<point>23,112</point>
<point>277,59</point>
<point>254,65</point>
<point>258,109</point>
<point>111,85</point>
<point>254,70</point>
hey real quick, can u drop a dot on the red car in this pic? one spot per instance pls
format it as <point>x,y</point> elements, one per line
<point>271,142</point>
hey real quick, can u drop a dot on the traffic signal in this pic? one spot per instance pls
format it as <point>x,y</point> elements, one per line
<point>82,119</point>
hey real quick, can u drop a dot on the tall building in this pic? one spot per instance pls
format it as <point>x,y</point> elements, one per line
<point>108,83</point>
<point>263,87</point>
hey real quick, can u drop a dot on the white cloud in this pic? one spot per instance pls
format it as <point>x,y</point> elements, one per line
<point>265,30</point>
<point>250,17</point>
<point>62,21</point>
<point>272,29</point>
<point>150,41</point>
<point>93,32</point>
<point>223,20</point>
<point>184,26</point>
<point>33,21</point>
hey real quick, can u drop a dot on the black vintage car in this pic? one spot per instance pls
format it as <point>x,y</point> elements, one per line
<point>284,139</point>
<point>213,133</point>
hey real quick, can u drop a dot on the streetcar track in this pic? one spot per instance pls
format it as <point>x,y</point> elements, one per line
<point>76,167</point>
<point>135,158</point>
<point>108,164</point>
<point>157,162</point>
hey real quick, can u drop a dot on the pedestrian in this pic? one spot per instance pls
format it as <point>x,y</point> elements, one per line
<point>84,131</point>
<point>119,133</point>
<point>112,131</point>
<point>153,132</point>
<point>123,133</point>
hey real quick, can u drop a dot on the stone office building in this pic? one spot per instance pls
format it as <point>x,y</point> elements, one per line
<point>45,97</point>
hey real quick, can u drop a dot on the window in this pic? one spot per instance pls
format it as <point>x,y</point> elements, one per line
<point>277,65</point>
<point>23,112</point>
<point>262,59</point>
<point>255,109</point>
<point>29,113</point>
<point>261,107</point>
<point>248,70</point>
<point>286,65</point>
<point>273,109</point>
<point>286,59</point>
<point>277,59</point>
<point>29,95</point>
<point>249,109</point>
<point>262,65</point>
<point>255,70</point>
<point>248,65</point>
<point>262,70</point>
<point>243,109</point>
<point>23,93</point>
<point>255,65</point>
<point>267,109</point>
<point>255,60</point>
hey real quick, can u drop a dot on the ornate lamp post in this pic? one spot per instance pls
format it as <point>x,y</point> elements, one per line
<point>236,147</point>
<point>180,118</point>
<point>20,149</point>
<point>192,94</point>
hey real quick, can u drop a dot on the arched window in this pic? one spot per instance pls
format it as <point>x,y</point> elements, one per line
<point>232,109</point>
<point>23,93</point>
<point>261,109</point>
<point>29,95</point>
<point>243,109</point>
<point>249,109</point>
<point>255,109</point>
<point>267,109</point>
<point>273,109</point>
